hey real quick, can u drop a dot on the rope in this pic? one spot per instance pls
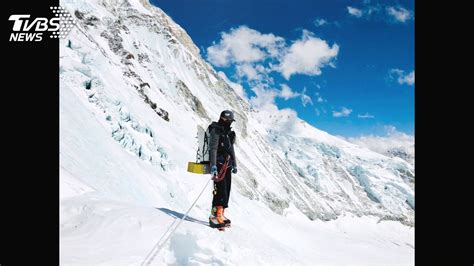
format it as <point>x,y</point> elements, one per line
<point>159,245</point>
<point>223,170</point>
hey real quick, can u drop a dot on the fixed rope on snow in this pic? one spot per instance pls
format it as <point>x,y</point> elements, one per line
<point>159,245</point>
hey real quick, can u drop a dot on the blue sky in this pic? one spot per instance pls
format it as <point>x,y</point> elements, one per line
<point>346,67</point>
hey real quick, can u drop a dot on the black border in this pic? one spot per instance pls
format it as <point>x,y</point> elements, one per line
<point>30,129</point>
<point>443,140</point>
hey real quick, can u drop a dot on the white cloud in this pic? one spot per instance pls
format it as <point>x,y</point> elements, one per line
<point>254,73</point>
<point>248,49</point>
<point>287,93</point>
<point>244,45</point>
<point>408,79</point>
<point>236,86</point>
<point>316,110</point>
<point>247,70</point>
<point>396,72</point>
<point>262,69</point>
<point>320,98</point>
<point>365,116</point>
<point>400,14</point>
<point>354,11</point>
<point>403,78</point>
<point>394,144</point>
<point>343,113</point>
<point>372,10</point>
<point>320,22</point>
<point>390,130</point>
<point>263,96</point>
<point>368,10</point>
<point>269,115</point>
<point>305,99</point>
<point>307,56</point>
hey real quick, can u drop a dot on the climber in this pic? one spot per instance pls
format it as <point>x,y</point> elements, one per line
<point>223,163</point>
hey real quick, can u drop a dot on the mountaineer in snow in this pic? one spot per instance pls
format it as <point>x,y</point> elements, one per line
<point>223,164</point>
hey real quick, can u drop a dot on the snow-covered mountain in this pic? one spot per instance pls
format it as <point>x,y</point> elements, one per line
<point>133,92</point>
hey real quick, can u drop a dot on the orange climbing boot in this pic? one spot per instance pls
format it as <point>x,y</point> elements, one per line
<point>216,219</point>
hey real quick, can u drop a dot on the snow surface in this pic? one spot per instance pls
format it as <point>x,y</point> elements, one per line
<point>301,197</point>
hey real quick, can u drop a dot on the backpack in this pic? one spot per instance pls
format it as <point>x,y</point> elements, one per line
<point>202,154</point>
<point>202,164</point>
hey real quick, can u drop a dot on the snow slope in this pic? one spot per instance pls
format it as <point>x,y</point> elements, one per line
<point>133,92</point>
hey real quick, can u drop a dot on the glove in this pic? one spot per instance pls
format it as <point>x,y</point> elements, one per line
<point>214,170</point>
<point>234,170</point>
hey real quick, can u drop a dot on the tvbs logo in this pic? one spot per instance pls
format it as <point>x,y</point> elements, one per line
<point>27,29</point>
